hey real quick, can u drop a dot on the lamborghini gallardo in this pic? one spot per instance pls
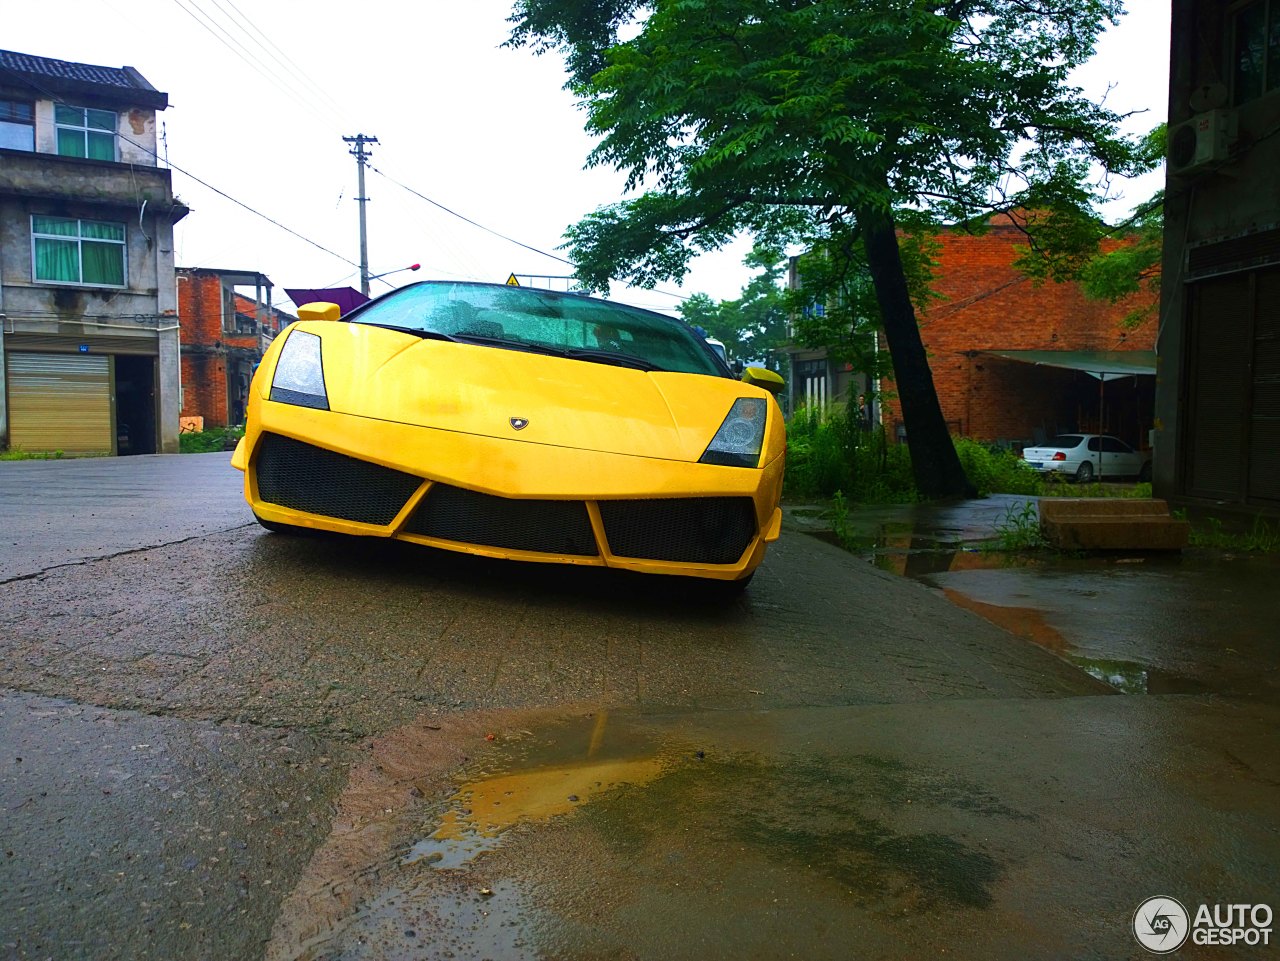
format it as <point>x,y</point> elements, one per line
<point>517,423</point>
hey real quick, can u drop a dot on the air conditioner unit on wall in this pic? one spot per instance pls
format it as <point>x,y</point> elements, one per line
<point>1202,141</point>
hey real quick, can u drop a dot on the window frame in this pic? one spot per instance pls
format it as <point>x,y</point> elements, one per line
<point>1270,10</point>
<point>8,119</point>
<point>84,129</point>
<point>79,240</point>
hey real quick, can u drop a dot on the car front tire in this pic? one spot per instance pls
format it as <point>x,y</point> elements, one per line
<point>275,527</point>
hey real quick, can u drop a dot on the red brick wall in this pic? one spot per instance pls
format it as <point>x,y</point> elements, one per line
<point>987,304</point>
<point>204,363</point>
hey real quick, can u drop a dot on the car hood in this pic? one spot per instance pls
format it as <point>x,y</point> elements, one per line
<point>521,396</point>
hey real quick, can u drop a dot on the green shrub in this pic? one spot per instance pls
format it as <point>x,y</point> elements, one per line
<point>213,439</point>
<point>994,470</point>
<point>827,451</point>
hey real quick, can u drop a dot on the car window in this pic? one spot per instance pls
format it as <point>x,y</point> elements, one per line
<point>1094,444</point>
<point>522,317</point>
<point>1065,441</point>
<point>1113,445</point>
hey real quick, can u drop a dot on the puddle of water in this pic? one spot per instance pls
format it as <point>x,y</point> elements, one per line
<point>1129,677</point>
<point>487,805</point>
<point>955,540</point>
<point>463,926</point>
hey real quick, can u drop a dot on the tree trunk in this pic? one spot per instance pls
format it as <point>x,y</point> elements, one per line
<point>934,461</point>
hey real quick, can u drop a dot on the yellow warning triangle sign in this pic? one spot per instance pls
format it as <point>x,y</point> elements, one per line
<point>512,282</point>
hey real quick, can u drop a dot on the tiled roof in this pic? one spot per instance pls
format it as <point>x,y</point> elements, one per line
<point>61,76</point>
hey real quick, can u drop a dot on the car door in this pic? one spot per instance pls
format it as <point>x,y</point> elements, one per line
<point>1118,458</point>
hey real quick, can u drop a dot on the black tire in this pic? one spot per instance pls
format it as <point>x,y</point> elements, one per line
<point>727,590</point>
<point>275,527</point>
<point>1084,473</point>
<point>1144,475</point>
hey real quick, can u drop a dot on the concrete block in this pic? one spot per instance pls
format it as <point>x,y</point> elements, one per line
<point>1102,524</point>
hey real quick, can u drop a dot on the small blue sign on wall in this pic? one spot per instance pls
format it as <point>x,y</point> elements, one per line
<point>84,348</point>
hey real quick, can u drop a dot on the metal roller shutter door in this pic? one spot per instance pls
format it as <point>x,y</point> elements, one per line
<point>60,402</point>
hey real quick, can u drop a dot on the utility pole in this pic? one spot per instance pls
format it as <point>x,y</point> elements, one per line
<point>362,160</point>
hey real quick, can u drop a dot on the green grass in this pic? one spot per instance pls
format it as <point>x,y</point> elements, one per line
<point>1018,529</point>
<point>1262,537</point>
<point>205,441</point>
<point>17,453</point>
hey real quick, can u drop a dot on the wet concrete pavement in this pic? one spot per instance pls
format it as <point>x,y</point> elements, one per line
<point>1198,621</point>
<point>237,744</point>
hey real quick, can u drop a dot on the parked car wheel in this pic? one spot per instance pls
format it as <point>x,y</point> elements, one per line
<point>1084,473</point>
<point>1144,475</point>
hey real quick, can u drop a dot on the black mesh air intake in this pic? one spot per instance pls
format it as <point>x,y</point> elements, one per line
<point>306,478</point>
<point>704,530</point>
<point>551,527</point>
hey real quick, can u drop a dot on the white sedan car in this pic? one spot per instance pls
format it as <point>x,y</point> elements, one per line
<point>1087,457</point>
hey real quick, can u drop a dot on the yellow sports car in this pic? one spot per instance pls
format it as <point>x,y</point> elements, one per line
<point>517,423</point>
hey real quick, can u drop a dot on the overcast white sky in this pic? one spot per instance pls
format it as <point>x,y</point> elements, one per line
<point>485,131</point>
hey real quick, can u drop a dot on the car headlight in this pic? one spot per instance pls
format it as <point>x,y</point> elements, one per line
<point>737,442</point>
<point>299,376</point>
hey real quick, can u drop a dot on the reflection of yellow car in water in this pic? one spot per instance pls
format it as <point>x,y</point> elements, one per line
<point>517,423</point>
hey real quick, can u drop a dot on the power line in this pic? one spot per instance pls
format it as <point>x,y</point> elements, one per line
<point>222,193</point>
<point>210,24</point>
<point>241,203</point>
<point>254,31</point>
<point>466,219</point>
<point>502,236</point>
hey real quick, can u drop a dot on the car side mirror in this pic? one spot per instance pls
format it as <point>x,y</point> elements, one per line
<point>764,378</point>
<point>320,310</point>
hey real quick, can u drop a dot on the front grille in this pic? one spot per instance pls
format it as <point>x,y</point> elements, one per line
<point>550,527</point>
<point>703,530</point>
<point>306,478</point>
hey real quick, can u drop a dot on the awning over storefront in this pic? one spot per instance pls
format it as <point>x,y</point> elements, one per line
<point>1102,364</point>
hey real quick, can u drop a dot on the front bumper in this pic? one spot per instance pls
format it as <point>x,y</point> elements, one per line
<point>507,498</point>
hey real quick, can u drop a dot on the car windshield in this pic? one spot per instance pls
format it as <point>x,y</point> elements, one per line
<point>1066,441</point>
<point>544,321</point>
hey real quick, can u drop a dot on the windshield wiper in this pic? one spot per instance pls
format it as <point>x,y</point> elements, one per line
<point>417,331</point>
<point>610,357</point>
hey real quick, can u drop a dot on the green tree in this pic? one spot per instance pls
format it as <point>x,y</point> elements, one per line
<point>754,325</point>
<point>834,124</point>
<point>1110,263</point>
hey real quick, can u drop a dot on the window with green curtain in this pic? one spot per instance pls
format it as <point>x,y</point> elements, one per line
<point>78,251</point>
<point>101,146</point>
<point>85,132</point>
<point>103,263</point>
<point>62,226</point>
<point>57,260</point>
<point>71,143</point>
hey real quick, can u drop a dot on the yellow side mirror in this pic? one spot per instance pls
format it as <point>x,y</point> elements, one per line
<point>765,378</point>
<point>320,310</point>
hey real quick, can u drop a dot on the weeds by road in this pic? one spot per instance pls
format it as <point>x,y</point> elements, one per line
<point>213,439</point>
<point>17,453</point>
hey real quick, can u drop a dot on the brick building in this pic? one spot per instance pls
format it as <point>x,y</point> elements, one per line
<point>1015,361</point>
<point>224,333</point>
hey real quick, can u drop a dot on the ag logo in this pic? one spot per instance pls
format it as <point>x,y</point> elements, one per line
<point>519,423</point>
<point>1161,925</point>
